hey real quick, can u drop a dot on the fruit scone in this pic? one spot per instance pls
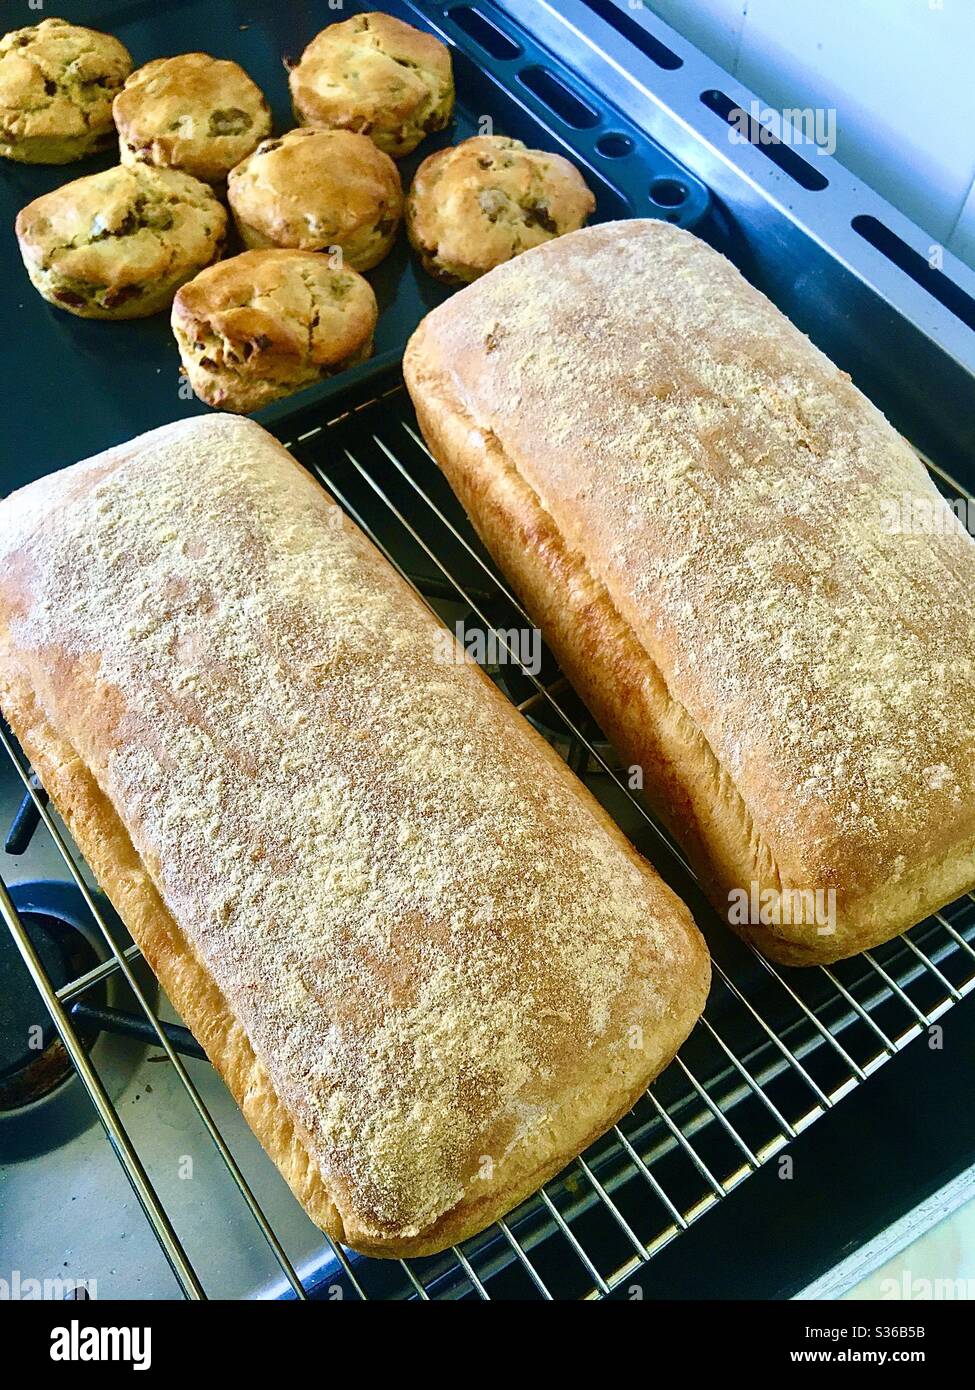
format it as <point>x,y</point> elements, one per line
<point>117,245</point>
<point>191,112</point>
<point>57,83</point>
<point>264,324</point>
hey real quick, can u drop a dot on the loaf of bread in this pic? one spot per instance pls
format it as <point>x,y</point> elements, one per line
<point>427,964</point>
<point>706,518</point>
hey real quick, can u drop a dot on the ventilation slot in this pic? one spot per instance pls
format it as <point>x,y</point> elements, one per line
<point>494,41</point>
<point>628,28</point>
<point>614,145</point>
<point>765,140</point>
<point>558,98</point>
<point>668,193</point>
<point>936,283</point>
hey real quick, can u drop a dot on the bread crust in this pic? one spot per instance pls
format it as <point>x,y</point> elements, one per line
<point>108,851</point>
<point>79,728</point>
<point>483,368</point>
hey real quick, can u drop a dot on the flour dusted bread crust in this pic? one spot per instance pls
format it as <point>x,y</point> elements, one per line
<point>427,964</point>
<point>697,507</point>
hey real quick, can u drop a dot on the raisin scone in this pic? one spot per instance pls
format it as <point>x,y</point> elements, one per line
<point>192,112</point>
<point>316,190</point>
<point>57,83</point>
<point>477,204</point>
<point>264,324</point>
<point>117,245</point>
<point>378,76</point>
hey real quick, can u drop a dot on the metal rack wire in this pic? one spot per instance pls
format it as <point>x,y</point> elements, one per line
<point>775,1049</point>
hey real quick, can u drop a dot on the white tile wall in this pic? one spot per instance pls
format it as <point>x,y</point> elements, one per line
<point>900,74</point>
<point>714,26</point>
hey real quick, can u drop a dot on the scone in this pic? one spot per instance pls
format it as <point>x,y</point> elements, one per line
<point>264,324</point>
<point>317,189</point>
<point>482,202</point>
<point>191,112</point>
<point>378,76</point>
<point>117,245</point>
<point>57,82</point>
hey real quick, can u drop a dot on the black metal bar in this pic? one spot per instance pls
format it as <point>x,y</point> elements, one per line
<point>131,1026</point>
<point>430,586</point>
<point>26,820</point>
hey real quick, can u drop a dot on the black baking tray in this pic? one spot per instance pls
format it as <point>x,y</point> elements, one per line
<point>75,386</point>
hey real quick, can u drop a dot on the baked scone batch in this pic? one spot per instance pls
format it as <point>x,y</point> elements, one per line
<point>191,112</point>
<point>476,205</point>
<point>57,83</point>
<point>378,76</point>
<point>117,245</point>
<point>313,207</point>
<point>316,190</point>
<point>266,323</point>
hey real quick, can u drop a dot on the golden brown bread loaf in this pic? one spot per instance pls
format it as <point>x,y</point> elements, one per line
<point>427,964</point>
<point>695,504</point>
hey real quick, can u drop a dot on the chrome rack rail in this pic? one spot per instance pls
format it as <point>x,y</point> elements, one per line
<point>775,1049</point>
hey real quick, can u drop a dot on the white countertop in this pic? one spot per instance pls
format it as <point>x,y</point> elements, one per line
<point>929,1254</point>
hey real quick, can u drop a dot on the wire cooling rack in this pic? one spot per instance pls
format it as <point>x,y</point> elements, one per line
<point>775,1049</point>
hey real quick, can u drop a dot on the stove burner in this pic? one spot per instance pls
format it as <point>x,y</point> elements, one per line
<point>32,1058</point>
